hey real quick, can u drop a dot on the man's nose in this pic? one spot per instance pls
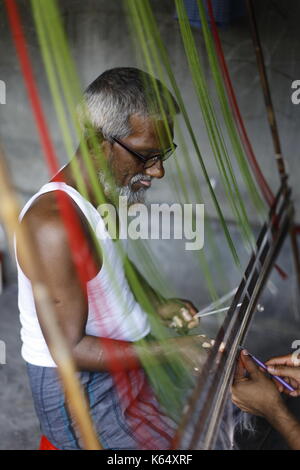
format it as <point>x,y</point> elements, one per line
<point>156,171</point>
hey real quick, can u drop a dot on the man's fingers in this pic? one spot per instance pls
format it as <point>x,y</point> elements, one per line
<point>284,371</point>
<point>284,366</point>
<point>294,383</point>
<point>193,323</point>
<point>185,314</point>
<point>176,322</point>
<point>284,390</point>
<point>191,308</point>
<point>239,371</point>
<point>280,360</point>
<point>188,317</point>
<point>248,362</point>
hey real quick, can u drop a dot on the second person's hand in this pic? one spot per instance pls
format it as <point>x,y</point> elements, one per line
<point>287,368</point>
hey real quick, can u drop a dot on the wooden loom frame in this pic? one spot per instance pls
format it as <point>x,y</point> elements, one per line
<point>209,397</point>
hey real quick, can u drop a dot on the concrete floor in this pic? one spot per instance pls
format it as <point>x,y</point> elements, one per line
<point>19,428</point>
<point>272,333</point>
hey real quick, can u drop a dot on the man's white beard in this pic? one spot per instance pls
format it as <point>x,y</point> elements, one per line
<point>133,197</point>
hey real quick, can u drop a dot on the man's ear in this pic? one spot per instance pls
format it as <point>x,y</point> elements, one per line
<point>101,156</point>
<point>98,149</point>
<point>105,147</point>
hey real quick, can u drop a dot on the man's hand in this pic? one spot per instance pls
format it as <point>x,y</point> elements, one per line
<point>193,350</point>
<point>288,368</point>
<point>258,395</point>
<point>179,314</point>
<point>255,394</point>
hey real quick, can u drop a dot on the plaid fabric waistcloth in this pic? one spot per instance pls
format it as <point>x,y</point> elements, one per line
<point>124,409</point>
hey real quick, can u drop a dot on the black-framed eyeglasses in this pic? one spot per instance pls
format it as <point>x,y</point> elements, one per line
<point>148,162</point>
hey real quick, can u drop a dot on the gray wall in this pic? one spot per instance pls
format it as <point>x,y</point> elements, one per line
<point>100,39</point>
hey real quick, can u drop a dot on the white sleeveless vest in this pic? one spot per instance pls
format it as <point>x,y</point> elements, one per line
<point>112,309</point>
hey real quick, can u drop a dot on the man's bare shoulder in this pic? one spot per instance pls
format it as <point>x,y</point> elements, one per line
<point>46,229</point>
<point>43,219</point>
<point>49,233</point>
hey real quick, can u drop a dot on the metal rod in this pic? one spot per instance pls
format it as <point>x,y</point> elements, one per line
<point>219,406</point>
<point>213,312</point>
<point>218,302</point>
<point>266,89</point>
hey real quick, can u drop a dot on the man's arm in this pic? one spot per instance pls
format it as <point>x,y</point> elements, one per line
<point>182,310</point>
<point>68,295</point>
<point>287,425</point>
<point>71,304</point>
<point>154,297</point>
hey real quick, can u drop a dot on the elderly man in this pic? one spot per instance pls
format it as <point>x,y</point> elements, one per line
<point>255,393</point>
<point>125,112</point>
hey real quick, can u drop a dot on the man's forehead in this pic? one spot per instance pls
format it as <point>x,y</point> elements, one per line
<point>150,127</point>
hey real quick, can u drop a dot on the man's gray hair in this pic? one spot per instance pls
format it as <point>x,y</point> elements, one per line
<point>119,93</point>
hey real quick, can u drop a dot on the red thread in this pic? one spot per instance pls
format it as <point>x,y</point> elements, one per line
<point>266,191</point>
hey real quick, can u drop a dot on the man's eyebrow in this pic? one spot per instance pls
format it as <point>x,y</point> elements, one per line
<point>152,150</point>
<point>155,150</point>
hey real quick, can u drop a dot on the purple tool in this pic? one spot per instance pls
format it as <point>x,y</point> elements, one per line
<point>279,379</point>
